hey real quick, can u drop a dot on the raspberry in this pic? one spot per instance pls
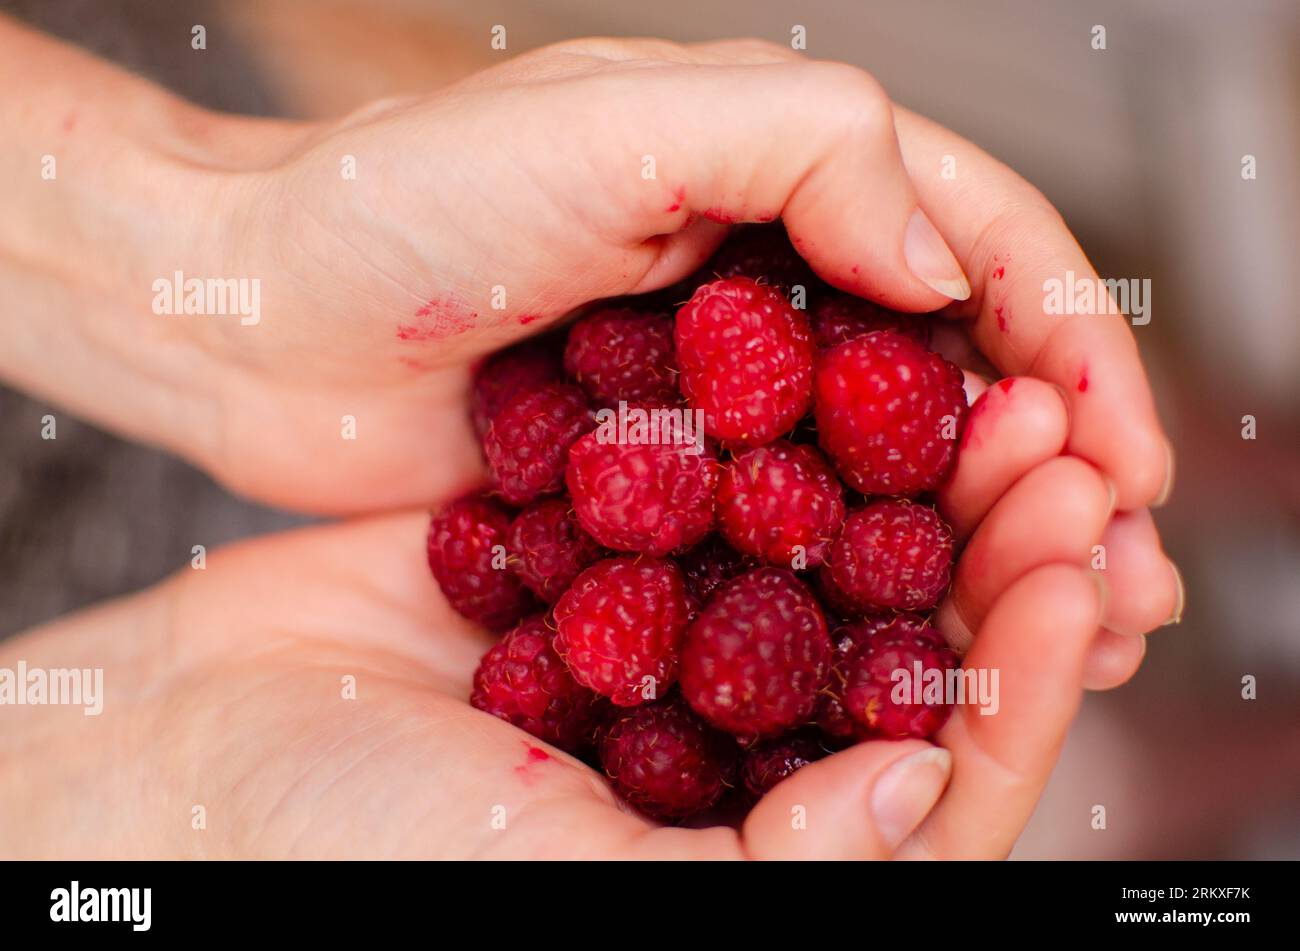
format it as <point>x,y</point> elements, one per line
<point>889,413</point>
<point>890,554</point>
<point>621,354</point>
<point>709,564</point>
<point>836,317</point>
<point>830,716</point>
<point>550,547</point>
<point>746,360</point>
<point>766,764</point>
<point>763,253</point>
<point>756,655</point>
<point>505,374</point>
<point>620,627</point>
<point>522,680</point>
<point>462,539</point>
<point>654,498</point>
<point>870,680</point>
<point>528,442</point>
<point>665,761</point>
<point>779,497</point>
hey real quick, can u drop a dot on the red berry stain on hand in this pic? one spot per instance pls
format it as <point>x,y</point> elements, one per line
<point>1083,381</point>
<point>983,411</point>
<point>534,756</point>
<point>440,318</point>
<point>1003,314</point>
<point>999,273</point>
<point>526,319</point>
<point>719,216</point>
<point>679,196</point>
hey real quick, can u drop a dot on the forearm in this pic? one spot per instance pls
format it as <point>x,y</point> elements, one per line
<point>108,184</point>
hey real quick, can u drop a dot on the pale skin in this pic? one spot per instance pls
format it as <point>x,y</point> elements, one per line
<point>224,687</point>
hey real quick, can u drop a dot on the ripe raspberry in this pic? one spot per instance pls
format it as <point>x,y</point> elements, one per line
<point>756,655</point>
<point>522,680</point>
<point>506,373</point>
<point>830,716</point>
<point>890,554</point>
<point>870,680</point>
<point>709,564</point>
<point>836,317</point>
<point>550,548</point>
<point>527,444</point>
<point>666,761</point>
<point>766,764</point>
<point>746,360</point>
<point>462,539</point>
<point>621,354</point>
<point>778,497</point>
<point>763,253</point>
<point>654,498</point>
<point>889,413</point>
<point>620,627</point>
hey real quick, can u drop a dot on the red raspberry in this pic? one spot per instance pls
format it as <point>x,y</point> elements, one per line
<point>871,682</point>
<point>506,373</point>
<point>836,317</point>
<point>756,655</point>
<point>620,627</point>
<point>709,564</point>
<point>621,354</point>
<point>461,550</point>
<point>746,360</point>
<point>778,497</point>
<point>830,716</point>
<point>666,761</point>
<point>766,764</point>
<point>763,253</point>
<point>522,680</point>
<point>527,444</point>
<point>550,548</point>
<point>889,413</point>
<point>890,554</point>
<point>646,497</point>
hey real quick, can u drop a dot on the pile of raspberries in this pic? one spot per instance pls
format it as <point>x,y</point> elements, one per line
<point>702,614</point>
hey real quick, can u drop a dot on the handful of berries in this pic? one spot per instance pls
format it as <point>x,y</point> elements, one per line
<point>706,537</point>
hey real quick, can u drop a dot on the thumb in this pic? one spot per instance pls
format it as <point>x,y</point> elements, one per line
<point>858,804</point>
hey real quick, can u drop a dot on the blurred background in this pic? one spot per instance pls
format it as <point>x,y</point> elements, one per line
<point>1139,145</point>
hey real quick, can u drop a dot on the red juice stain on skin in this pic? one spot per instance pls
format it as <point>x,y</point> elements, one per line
<point>534,756</point>
<point>679,196</point>
<point>986,409</point>
<point>999,273</point>
<point>440,318</point>
<point>1004,318</point>
<point>526,319</point>
<point>1083,381</point>
<point>719,216</point>
<point>854,269</point>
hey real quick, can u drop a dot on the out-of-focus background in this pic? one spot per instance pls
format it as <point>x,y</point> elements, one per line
<point>1141,147</point>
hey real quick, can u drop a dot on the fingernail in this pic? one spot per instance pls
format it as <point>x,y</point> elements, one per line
<point>907,791</point>
<point>1180,601</point>
<point>929,258</point>
<point>1168,488</point>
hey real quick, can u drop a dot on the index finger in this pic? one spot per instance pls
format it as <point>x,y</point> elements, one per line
<point>1010,242</point>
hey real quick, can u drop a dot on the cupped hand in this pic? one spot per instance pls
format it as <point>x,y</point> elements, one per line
<point>304,695</point>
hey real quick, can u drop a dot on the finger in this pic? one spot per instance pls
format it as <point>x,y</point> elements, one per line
<point>858,804</point>
<point>821,154</point>
<point>1112,659</point>
<point>1035,638</point>
<point>1055,513</point>
<point>1016,425</point>
<point>1011,241</point>
<point>1146,590</point>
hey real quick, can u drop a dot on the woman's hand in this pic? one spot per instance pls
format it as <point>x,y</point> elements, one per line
<point>227,689</point>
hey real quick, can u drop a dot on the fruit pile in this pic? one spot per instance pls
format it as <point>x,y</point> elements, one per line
<point>707,608</point>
